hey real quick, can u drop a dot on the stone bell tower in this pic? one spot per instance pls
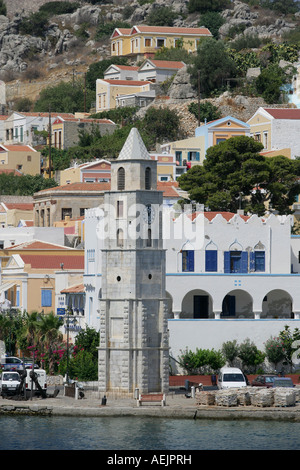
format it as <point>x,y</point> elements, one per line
<point>134,349</point>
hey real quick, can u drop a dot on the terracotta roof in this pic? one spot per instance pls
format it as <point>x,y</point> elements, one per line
<point>227,215</point>
<point>80,120</point>
<point>172,30</point>
<point>3,117</point>
<point>41,114</point>
<point>39,245</point>
<point>168,64</point>
<point>79,288</point>
<point>15,172</point>
<point>125,82</point>
<point>54,261</point>
<point>169,188</point>
<point>18,148</point>
<point>125,67</point>
<point>97,187</point>
<point>16,205</point>
<point>284,113</point>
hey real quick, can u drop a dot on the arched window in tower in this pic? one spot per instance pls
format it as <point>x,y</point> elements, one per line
<point>149,237</point>
<point>120,238</point>
<point>121,179</point>
<point>148,178</point>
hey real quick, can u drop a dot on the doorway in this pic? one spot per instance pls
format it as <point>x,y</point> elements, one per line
<point>200,306</point>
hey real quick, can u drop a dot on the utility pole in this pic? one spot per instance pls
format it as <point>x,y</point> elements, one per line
<point>199,98</point>
<point>85,92</point>
<point>50,132</point>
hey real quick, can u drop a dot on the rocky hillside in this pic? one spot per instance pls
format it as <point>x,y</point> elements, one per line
<point>69,45</point>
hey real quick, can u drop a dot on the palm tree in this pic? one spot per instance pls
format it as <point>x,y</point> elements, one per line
<point>49,335</point>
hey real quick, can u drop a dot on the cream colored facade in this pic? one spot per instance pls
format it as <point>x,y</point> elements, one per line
<point>108,90</point>
<point>187,150</point>
<point>145,41</point>
<point>20,157</point>
<point>276,129</point>
<point>11,214</point>
<point>28,276</point>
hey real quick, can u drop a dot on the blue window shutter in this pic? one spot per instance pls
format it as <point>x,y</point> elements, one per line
<point>191,263</point>
<point>226,262</point>
<point>46,298</point>
<point>189,156</point>
<point>260,261</point>
<point>17,298</point>
<point>211,260</point>
<point>198,156</point>
<point>252,261</point>
<point>244,262</point>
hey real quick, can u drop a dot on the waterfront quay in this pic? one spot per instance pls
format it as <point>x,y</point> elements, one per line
<point>177,406</point>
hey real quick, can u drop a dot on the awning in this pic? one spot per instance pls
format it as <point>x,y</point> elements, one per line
<point>7,285</point>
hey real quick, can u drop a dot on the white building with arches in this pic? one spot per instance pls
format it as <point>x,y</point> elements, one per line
<point>228,276</point>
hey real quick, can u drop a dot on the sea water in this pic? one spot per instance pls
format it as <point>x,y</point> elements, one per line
<point>144,433</point>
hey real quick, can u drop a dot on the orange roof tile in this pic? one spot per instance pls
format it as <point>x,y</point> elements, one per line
<point>79,288</point>
<point>97,187</point>
<point>39,245</point>
<point>54,261</point>
<point>171,30</point>
<point>125,82</point>
<point>168,64</point>
<point>18,148</point>
<point>22,206</point>
<point>284,113</point>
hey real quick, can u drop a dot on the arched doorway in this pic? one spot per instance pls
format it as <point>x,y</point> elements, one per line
<point>196,304</point>
<point>237,304</point>
<point>277,304</point>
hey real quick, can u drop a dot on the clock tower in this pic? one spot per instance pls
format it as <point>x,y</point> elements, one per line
<point>134,349</point>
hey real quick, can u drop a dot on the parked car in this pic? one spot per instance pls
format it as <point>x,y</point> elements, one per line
<point>263,381</point>
<point>11,363</point>
<point>283,382</point>
<point>231,377</point>
<point>15,363</point>
<point>9,383</point>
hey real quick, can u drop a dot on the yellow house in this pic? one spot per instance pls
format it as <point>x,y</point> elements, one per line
<point>108,90</point>
<point>12,213</point>
<point>23,158</point>
<point>277,129</point>
<point>29,274</point>
<point>142,41</point>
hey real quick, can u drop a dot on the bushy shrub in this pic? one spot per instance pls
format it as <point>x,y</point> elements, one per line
<point>208,111</point>
<point>162,16</point>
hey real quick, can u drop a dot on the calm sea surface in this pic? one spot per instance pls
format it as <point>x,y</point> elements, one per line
<point>126,433</point>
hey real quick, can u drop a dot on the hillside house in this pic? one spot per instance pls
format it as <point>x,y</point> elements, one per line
<point>276,129</point>
<point>66,130</point>
<point>142,41</point>
<point>158,71</point>
<point>23,158</point>
<point>107,91</point>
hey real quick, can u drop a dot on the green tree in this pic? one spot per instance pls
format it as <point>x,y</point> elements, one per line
<point>88,339</point>
<point>269,83</point>
<point>2,8</point>
<point>204,6</point>
<point>234,174</point>
<point>274,350</point>
<point>250,355</point>
<point>97,69</point>
<point>48,336</point>
<point>230,351</point>
<point>161,124</point>
<point>290,342</point>
<point>106,28</point>
<point>24,185</point>
<point>213,21</point>
<point>66,97</point>
<point>161,16</point>
<point>208,111</point>
<point>214,65</point>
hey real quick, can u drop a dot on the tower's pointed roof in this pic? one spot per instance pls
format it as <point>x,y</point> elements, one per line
<point>134,147</point>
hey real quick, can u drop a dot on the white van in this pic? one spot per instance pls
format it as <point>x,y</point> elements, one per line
<point>41,377</point>
<point>231,377</point>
